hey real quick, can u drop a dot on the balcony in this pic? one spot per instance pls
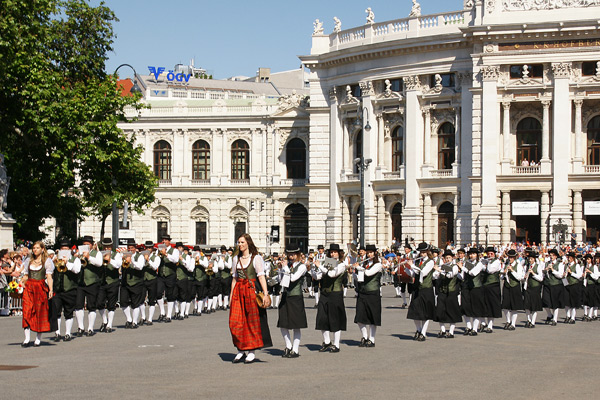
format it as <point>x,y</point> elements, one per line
<point>200,182</point>
<point>591,169</point>
<point>164,182</point>
<point>294,182</point>
<point>530,170</point>
<point>240,182</point>
<point>394,175</point>
<point>441,173</point>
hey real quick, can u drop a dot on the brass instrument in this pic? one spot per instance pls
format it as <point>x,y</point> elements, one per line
<point>209,270</point>
<point>126,264</point>
<point>61,266</point>
<point>84,262</point>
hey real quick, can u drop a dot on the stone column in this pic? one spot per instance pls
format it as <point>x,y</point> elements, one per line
<point>370,140</point>
<point>561,139</point>
<point>545,163</point>
<point>457,139</point>
<point>428,223</point>
<point>506,153</point>
<point>505,217</point>
<point>578,157</point>
<point>464,215</point>
<point>427,135</point>
<point>578,222</point>
<point>381,225</point>
<point>380,144</point>
<point>544,213</point>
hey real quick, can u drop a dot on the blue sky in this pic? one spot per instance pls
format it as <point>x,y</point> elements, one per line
<point>230,38</point>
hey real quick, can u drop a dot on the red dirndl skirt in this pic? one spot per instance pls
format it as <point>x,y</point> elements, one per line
<point>244,319</point>
<point>35,306</point>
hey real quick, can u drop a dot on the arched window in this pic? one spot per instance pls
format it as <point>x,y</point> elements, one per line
<point>446,146</point>
<point>397,148</point>
<point>162,160</point>
<point>296,225</point>
<point>529,139</point>
<point>200,160</point>
<point>295,156</point>
<point>240,160</point>
<point>593,141</point>
<point>445,224</point>
<point>396,215</point>
<point>358,149</point>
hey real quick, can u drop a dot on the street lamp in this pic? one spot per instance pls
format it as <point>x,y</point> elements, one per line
<point>362,165</point>
<point>486,229</point>
<point>360,117</point>
<point>115,211</point>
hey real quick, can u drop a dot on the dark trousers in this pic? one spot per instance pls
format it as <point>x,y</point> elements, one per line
<point>166,286</point>
<point>226,286</point>
<point>132,296</point>
<point>183,290</point>
<point>200,289</point>
<point>62,303</point>
<point>108,296</point>
<point>87,295</point>
<point>150,290</point>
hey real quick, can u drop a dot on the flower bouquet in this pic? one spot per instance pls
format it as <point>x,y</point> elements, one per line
<point>15,289</point>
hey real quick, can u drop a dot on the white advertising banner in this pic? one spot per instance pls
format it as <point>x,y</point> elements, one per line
<point>591,207</point>
<point>526,208</point>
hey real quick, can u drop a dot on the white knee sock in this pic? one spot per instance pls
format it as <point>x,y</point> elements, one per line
<point>111,318</point>
<point>187,308</point>
<point>533,317</point>
<point>127,311</point>
<point>226,301</point>
<point>297,337</point>
<point>326,338</point>
<point>568,312</point>
<point>251,356</point>
<point>161,306</point>
<point>286,338</point>
<point>220,299</point>
<point>143,311</point>
<point>442,327</point>
<point>176,307</point>
<point>317,297</point>
<point>513,320</point>
<point>363,330</point>
<point>425,325</point>
<point>372,332</point>
<point>103,315</point>
<point>136,315</point>
<point>345,291</point>
<point>507,315</point>
<point>404,297</point>
<point>555,316</point>
<point>548,311</point>
<point>469,324</point>
<point>151,313</point>
<point>68,326</point>
<point>38,338</point>
<point>418,325</point>
<point>91,320</point>
<point>476,324</point>
<point>209,304</point>
<point>58,330</point>
<point>182,307</point>
<point>573,313</point>
<point>79,316</point>
<point>528,313</point>
<point>170,305</point>
<point>336,338</point>
<point>490,323</point>
<point>452,326</point>
<point>214,303</point>
<point>27,332</point>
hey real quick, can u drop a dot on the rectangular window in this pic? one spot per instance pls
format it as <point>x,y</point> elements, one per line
<point>201,232</point>
<point>589,68</point>
<point>447,80</point>
<point>162,228</point>
<point>526,71</point>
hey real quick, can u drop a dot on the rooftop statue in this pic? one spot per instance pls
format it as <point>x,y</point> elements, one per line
<point>370,16</point>
<point>318,27</point>
<point>415,11</point>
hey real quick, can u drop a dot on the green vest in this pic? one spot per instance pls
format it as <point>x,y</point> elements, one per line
<point>533,283</point>
<point>149,273</point>
<point>572,280</point>
<point>371,284</point>
<point>427,280</point>
<point>65,281</point>
<point>226,273</point>
<point>549,278</point>
<point>329,284</point>
<point>167,268</point>
<point>588,278</point>
<point>295,288</point>
<point>134,276</point>
<point>449,284</point>
<point>493,278</point>
<point>473,281</point>
<point>248,273</point>
<point>200,273</point>
<point>111,274</point>
<point>39,274</point>
<point>182,270</point>
<point>512,282</point>
<point>91,273</point>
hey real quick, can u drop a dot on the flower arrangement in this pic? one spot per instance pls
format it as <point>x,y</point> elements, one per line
<point>15,289</point>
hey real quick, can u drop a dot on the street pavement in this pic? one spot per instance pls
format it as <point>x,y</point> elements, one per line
<point>192,359</point>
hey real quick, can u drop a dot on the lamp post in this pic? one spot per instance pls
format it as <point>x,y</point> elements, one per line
<point>486,230</point>
<point>115,210</point>
<point>362,165</point>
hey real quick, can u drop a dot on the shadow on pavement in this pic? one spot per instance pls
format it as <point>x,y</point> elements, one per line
<point>350,342</point>
<point>403,337</point>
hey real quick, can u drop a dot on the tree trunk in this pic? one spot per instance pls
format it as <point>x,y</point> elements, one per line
<point>102,226</point>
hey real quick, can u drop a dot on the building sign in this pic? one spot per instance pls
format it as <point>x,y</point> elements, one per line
<point>551,44</point>
<point>124,235</point>
<point>591,207</point>
<point>526,208</point>
<point>171,75</point>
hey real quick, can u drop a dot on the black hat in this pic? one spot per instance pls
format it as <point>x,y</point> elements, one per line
<point>230,249</point>
<point>362,248</point>
<point>490,248</point>
<point>473,250</point>
<point>149,243</point>
<point>213,249</point>
<point>223,247</point>
<point>511,253</point>
<point>371,247</point>
<point>131,242</point>
<point>588,255</point>
<point>167,237</point>
<point>423,247</point>
<point>320,247</point>
<point>597,255</point>
<point>448,253</point>
<point>461,250</point>
<point>532,253</point>
<point>406,244</point>
<point>334,247</point>
<point>571,254</point>
<point>196,248</point>
<point>64,243</point>
<point>87,238</point>
<point>292,247</point>
<point>275,254</point>
<point>553,251</point>
<point>107,242</point>
<point>178,244</point>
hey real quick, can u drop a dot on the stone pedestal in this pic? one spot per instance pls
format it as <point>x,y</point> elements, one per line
<point>6,231</point>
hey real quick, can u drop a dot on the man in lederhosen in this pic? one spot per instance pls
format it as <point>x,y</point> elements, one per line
<point>553,290</point>
<point>200,282</point>
<point>89,286</point>
<point>320,256</point>
<point>472,297</point>
<point>272,274</point>
<point>214,281</point>
<point>132,288</point>
<point>512,296</point>
<point>167,278</point>
<point>65,279</point>
<point>108,296</point>
<point>491,289</point>
<point>185,267</point>
<point>152,262</point>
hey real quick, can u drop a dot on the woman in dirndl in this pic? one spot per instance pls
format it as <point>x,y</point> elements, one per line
<point>248,322</point>
<point>532,293</point>
<point>422,304</point>
<point>292,315</point>
<point>37,270</point>
<point>368,302</point>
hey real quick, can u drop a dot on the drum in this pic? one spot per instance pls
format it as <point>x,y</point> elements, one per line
<point>402,273</point>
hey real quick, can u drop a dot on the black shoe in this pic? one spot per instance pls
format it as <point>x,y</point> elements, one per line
<point>134,326</point>
<point>80,332</point>
<point>473,333</point>
<point>416,335</point>
<point>57,338</point>
<point>441,334</point>
<point>186,316</point>
<point>239,360</point>
<point>286,353</point>
<point>531,325</point>
<point>487,330</point>
<point>90,333</point>
<point>571,321</point>
<point>324,347</point>
<point>293,354</point>
<point>566,320</point>
<point>369,344</point>
<point>127,325</point>
<point>167,320</point>
<point>142,322</point>
<point>180,318</point>
<point>334,349</point>
<point>148,323</point>
<point>467,332</point>
<point>194,312</point>
<point>109,330</point>
<point>161,318</point>
<point>510,328</point>
<point>449,335</point>
<point>506,325</point>
<point>24,345</point>
<point>553,323</point>
<point>363,342</point>
<point>483,325</point>
<point>67,338</point>
<point>103,328</point>
<point>421,338</point>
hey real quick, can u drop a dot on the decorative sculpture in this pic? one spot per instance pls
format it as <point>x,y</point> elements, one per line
<point>337,24</point>
<point>318,27</point>
<point>370,16</point>
<point>415,11</point>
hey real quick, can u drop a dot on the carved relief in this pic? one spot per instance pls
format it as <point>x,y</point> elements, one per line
<point>590,109</point>
<point>412,82</point>
<point>561,70</point>
<point>161,213</point>
<point>199,213</point>
<point>366,88</point>
<point>285,135</point>
<point>391,121</point>
<point>349,98</point>
<point>292,100</point>
<point>490,72</point>
<point>387,93</point>
<point>527,5</point>
<point>438,117</point>
<point>333,93</point>
<point>528,110</point>
<point>490,6</point>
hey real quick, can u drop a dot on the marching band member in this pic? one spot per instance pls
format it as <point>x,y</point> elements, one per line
<point>248,322</point>
<point>200,284</point>
<point>368,302</point>
<point>591,274</point>
<point>152,262</point>
<point>422,304</point>
<point>573,273</point>
<point>532,294</point>
<point>320,257</point>
<point>132,285</point>
<point>512,297</point>
<point>553,290</point>
<point>108,295</point>
<point>214,283</point>
<point>447,309</point>
<point>596,263</point>
<point>89,285</point>
<point>272,272</point>
<point>331,313</point>
<point>491,289</point>
<point>291,309</point>
<point>225,266</point>
<point>167,278</point>
<point>65,278</point>
<point>37,270</point>
<point>185,266</point>
<point>473,300</point>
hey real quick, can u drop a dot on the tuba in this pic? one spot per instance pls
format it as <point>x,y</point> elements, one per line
<point>61,266</point>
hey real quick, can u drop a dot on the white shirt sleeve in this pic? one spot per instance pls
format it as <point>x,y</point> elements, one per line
<point>154,264</point>
<point>97,260</point>
<point>560,272</point>
<point>139,263</point>
<point>117,261</point>
<point>234,261</point>
<point>494,267</point>
<point>476,269</point>
<point>337,271</point>
<point>539,275</point>
<point>427,268</point>
<point>578,272</point>
<point>220,263</point>
<point>518,274</point>
<point>74,266</point>
<point>259,265</point>
<point>174,257</point>
<point>190,263</point>
<point>299,273</point>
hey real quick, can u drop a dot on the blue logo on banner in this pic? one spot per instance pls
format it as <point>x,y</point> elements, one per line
<point>171,76</point>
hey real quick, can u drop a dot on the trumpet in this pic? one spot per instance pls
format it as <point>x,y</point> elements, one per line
<point>84,262</point>
<point>126,264</point>
<point>209,270</point>
<point>61,266</point>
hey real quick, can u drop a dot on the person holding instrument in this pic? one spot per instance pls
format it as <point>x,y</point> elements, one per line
<point>553,290</point>
<point>65,278</point>
<point>572,275</point>
<point>447,309</point>
<point>368,302</point>
<point>491,289</point>
<point>248,322</point>
<point>512,297</point>
<point>532,294</point>
<point>89,285</point>
<point>37,270</point>
<point>422,304</point>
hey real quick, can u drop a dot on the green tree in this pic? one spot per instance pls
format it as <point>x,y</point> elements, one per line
<point>59,112</point>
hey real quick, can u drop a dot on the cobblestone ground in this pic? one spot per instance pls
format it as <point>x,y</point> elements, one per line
<point>192,358</point>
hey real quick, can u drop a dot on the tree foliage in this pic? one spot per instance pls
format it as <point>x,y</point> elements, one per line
<point>59,111</point>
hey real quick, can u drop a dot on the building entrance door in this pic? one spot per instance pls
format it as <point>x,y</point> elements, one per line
<point>445,224</point>
<point>528,229</point>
